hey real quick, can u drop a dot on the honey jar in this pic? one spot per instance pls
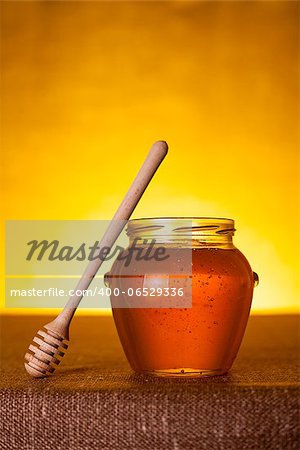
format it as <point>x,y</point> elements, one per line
<point>185,312</point>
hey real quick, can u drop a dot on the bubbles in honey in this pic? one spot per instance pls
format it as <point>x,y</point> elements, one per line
<point>200,336</point>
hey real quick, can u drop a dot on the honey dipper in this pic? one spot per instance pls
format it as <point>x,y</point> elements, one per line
<point>50,344</point>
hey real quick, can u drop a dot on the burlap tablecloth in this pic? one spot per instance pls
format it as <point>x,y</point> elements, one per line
<point>94,401</point>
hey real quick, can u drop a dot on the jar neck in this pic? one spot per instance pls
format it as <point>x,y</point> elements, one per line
<point>184,243</point>
<point>182,232</point>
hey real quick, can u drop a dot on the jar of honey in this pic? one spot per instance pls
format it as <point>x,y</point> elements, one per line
<point>184,311</point>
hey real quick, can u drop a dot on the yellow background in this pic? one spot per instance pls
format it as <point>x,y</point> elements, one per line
<point>87,87</point>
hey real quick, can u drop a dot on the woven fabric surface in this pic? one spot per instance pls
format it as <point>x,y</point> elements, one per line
<point>94,401</point>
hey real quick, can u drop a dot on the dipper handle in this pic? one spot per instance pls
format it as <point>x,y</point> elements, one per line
<point>153,160</point>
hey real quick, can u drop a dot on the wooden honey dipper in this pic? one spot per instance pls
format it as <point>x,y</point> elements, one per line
<point>50,344</point>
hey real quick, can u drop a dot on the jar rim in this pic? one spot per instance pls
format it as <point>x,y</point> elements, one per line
<point>222,219</point>
<point>180,226</point>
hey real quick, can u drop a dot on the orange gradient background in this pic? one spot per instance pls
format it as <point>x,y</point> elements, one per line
<point>86,88</point>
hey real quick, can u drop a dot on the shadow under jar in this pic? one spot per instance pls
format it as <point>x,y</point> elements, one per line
<point>198,331</point>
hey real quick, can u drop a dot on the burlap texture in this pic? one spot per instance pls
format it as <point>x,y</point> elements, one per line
<point>95,402</point>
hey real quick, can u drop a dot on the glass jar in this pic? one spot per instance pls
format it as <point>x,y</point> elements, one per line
<point>200,333</point>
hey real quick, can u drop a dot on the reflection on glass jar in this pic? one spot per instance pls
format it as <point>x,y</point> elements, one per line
<point>207,284</point>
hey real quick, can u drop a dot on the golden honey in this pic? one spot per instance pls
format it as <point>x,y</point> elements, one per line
<point>203,337</point>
